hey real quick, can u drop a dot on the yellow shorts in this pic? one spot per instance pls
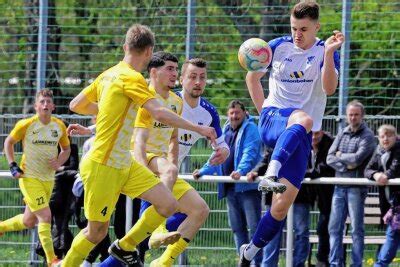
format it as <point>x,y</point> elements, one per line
<point>104,184</point>
<point>36,192</point>
<point>180,188</point>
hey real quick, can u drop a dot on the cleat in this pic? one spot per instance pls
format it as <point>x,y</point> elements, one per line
<point>163,239</point>
<point>55,263</point>
<point>243,262</point>
<point>131,258</point>
<point>271,184</point>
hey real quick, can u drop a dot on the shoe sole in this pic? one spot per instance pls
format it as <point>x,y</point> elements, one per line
<point>277,190</point>
<point>166,239</point>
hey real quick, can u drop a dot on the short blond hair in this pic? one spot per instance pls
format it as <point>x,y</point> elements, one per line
<point>387,128</point>
<point>139,37</point>
<point>45,93</point>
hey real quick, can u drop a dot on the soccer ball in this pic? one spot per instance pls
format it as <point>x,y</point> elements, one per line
<point>254,54</point>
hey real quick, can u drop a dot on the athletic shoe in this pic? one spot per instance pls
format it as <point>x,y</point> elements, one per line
<point>131,258</point>
<point>243,262</point>
<point>271,183</point>
<point>163,239</point>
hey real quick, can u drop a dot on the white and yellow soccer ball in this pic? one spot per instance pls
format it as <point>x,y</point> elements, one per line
<point>254,54</point>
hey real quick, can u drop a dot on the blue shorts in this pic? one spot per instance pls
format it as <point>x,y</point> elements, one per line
<point>272,124</point>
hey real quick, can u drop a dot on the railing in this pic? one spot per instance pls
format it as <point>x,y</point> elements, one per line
<point>289,237</point>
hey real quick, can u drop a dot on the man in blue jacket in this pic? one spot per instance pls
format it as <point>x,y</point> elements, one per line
<point>243,199</point>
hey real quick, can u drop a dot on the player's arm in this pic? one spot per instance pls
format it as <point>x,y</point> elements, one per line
<point>166,116</point>
<point>329,74</point>
<point>253,81</point>
<point>141,136</point>
<point>82,105</point>
<point>173,148</point>
<point>9,152</point>
<point>56,163</point>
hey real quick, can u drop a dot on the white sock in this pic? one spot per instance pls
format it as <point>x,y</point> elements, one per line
<point>250,251</point>
<point>273,168</point>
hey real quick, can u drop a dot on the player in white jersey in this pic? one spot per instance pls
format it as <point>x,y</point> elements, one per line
<point>198,110</point>
<point>303,71</point>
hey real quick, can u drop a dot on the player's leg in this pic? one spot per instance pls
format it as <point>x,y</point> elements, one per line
<point>197,210</point>
<point>102,186</point>
<point>167,171</point>
<point>147,186</point>
<point>272,221</point>
<point>285,141</point>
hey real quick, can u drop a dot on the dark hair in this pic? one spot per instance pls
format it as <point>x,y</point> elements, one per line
<point>45,93</point>
<point>139,37</point>
<point>307,9</point>
<point>159,58</point>
<point>235,103</point>
<point>198,62</point>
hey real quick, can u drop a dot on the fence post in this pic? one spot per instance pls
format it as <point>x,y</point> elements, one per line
<point>190,28</point>
<point>344,63</point>
<point>42,45</point>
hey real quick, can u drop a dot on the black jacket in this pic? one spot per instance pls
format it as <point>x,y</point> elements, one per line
<point>392,171</point>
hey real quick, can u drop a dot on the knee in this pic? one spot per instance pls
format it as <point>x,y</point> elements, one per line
<point>279,213</point>
<point>306,121</point>
<point>96,234</point>
<point>29,222</point>
<point>202,212</point>
<point>167,208</point>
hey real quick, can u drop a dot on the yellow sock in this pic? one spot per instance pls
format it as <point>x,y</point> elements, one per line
<point>172,252</point>
<point>13,224</point>
<point>79,250</point>
<point>149,221</point>
<point>44,232</point>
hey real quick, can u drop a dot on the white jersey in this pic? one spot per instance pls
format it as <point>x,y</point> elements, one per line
<point>204,114</point>
<point>295,78</point>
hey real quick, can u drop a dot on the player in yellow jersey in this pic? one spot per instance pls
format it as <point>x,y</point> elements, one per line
<point>108,169</point>
<point>156,146</point>
<point>40,136</point>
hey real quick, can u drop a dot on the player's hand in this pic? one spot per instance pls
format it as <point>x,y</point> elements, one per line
<point>235,175</point>
<point>334,42</point>
<point>251,176</point>
<point>219,156</point>
<point>15,170</point>
<point>77,129</point>
<point>54,164</point>
<point>208,132</point>
<point>196,174</point>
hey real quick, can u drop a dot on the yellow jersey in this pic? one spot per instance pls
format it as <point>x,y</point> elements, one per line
<point>119,92</point>
<point>159,133</point>
<point>40,142</point>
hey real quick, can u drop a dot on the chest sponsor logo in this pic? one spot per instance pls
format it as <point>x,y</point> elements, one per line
<point>185,137</point>
<point>297,74</point>
<point>297,77</point>
<point>54,133</point>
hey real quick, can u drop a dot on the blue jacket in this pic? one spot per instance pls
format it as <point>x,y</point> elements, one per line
<point>248,148</point>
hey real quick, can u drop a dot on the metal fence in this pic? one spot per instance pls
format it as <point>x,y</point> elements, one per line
<point>85,37</point>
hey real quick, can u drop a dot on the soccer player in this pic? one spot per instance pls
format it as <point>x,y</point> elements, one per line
<point>304,70</point>
<point>108,169</point>
<point>40,136</point>
<point>200,112</point>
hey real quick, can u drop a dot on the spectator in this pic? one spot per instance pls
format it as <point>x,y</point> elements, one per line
<point>385,165</point>
<point>88,143</point>
<point>321,142</point>
<point>349,155</point>
<point>243,199</point>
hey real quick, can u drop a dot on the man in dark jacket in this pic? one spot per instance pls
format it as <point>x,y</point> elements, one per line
<point>321,142</point>
<point>385,165</point>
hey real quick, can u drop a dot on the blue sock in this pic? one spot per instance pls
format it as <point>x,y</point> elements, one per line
<point>174,221</point>
<point>266,230</point>
<point>288,142</point>
<point>111,262</point>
